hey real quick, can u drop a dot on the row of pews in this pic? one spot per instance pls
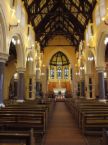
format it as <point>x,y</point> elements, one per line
<point>104,139</point>
<point>90,115</point>
<point>25,121</point>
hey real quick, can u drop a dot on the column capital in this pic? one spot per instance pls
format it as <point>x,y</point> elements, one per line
<point>21,69</point>
<point>100,69</point>
<point>3,57</point>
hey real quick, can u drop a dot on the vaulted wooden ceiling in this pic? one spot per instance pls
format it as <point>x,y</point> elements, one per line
<point>59,17</point>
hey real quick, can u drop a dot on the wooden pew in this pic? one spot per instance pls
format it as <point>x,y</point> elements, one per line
<point>94,123</point>
<point>23,121</point>
<point>37,116</point>
<point>18,136</point>
<point>23,116</point>
<point>90,116</point>
<point>104,138</point>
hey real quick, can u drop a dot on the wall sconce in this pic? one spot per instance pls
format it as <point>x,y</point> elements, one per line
<point>81,67</point>
<point>77,73</point>
<point>12,26</point>
<point>32,45</point>
<point>90,58</point>
<point>30,59</point>
<point>16,76</point>
<point>15,41</point>
<point>42,74</point>
<point>105,75</point>
<point>103,19</point>
<point>38,69</point>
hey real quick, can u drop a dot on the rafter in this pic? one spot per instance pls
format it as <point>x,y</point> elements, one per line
<point>45,20</point>
<point>59,17</point>
<point>65,32</point>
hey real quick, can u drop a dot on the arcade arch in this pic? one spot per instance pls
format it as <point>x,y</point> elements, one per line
<point>101,57</point>
<point>15,63</point>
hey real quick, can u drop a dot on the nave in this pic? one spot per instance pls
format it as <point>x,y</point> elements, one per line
<point>63,129</point>
<point>54,123</point>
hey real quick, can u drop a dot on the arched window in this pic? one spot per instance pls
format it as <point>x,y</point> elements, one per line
<point>57,64</point>
<point>66,72</point>
<point>23,20</point>
<point>13,4</point>
<point>97,15</point>
<point>87,37</point>
<point>102,8</point>
<point>100,11</point>
<point>52,72</point>
<point>89,32</point>
<point>18,11</point>
<point>59,73</point>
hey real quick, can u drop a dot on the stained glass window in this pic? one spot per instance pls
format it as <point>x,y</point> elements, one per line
<point>59,73</point>
<point>58,62</point>
<point>52,72</point>
<point>66,72</point>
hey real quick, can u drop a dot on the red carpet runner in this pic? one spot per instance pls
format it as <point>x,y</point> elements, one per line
<point>62,129</point>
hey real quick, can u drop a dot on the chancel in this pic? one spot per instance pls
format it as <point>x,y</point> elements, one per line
<point>53,72</point>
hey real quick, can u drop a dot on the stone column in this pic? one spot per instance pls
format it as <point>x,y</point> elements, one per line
<point>3,59</point>
<point>37,80</point>
<point>90,86</point>
<point>82,88</point>
<point>79,89</point>
<point>21,85</point>
<point>33,87</point>
<point>82,84</point>
<point>44,80</point>
<point>101,83</point>
<point>87,86</point>
<point>2,65</point>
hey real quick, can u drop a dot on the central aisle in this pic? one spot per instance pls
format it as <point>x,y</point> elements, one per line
<point>62,129</point>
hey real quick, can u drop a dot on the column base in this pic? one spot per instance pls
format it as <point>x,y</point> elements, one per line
<point>103,100</point>
<point>88,98</point>
<point>82,97</point>
<point>2,105</point>
<point>20,101</point>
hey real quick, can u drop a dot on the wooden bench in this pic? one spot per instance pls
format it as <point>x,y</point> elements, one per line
<point>90,117</point>
<point>18,136</point>
<point>94,123</point>
<point>104,139</point>
<point>26,115</point>
<point>21,117</point>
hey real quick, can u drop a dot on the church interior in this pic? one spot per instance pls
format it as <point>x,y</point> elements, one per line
<point>53,72</point>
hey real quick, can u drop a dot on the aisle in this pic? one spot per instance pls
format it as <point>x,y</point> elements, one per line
<point>62,129</point>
